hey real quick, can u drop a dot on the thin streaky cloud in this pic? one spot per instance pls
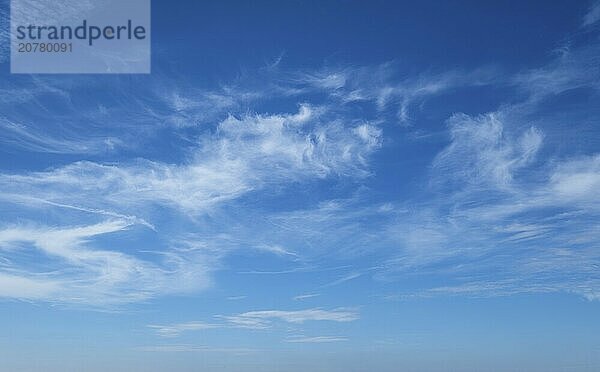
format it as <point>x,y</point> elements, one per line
<point>305,296</point>
<point>175,330</point>
<point>316,339</point>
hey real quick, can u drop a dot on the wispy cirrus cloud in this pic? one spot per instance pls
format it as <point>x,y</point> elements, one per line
<point>299,316</point>
<point>305,296</point>
<point>382,87</point>
<point>69,269</point>
<point>175,330</point>
<point>502,231</point>
<point>316,339</point>
<point>241,155</point>
<point>276,250</point>
<point>237,159</point>
<point>28,288</point>
<point>263,319</point>
<point>480,152</point>
<point>125,121</point>
<point>19,135</point>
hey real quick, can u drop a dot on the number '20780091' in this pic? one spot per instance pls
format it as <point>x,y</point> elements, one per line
<point>45,47</point>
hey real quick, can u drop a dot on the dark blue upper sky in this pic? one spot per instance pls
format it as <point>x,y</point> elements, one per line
<point>226,36</point>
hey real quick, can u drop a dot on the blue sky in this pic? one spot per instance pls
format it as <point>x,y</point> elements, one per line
<point>327,186</point>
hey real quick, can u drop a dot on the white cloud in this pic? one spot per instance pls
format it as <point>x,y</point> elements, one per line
<point>305,296</point>
<point>236,298</point>
<point>480,152</point>
<point>500,218</point>
<point>276,249</point>
<point>577,180</point>
<point>506,225</point>
<point>243,155</point>
<point>573,68</point>
<point>77,272</point>
<point>381,86</point>
<point>316,339</point>
<point>258,320</point>
<point>17,134</point>
<point>300,316</point>
<point>245,322</point>
<point>177,329</point>
<point>344,279</point>
<point>15,286</point>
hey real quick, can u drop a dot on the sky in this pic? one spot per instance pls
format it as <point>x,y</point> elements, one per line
<point>310,185</point>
